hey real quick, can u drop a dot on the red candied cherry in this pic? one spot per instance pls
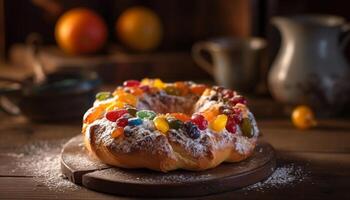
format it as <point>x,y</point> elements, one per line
<point>227,94</point>
<point>122,122</point>
<point>144,88</point>
<point>237,99</point>
<point>231,125</point>
<point>237,115</point>
<point>131,83</point>
<point>200,121</point>
<point>114,115</point>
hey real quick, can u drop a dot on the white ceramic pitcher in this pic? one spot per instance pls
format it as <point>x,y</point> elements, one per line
<point>310,67</point>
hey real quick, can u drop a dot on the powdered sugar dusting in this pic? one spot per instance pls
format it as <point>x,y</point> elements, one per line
<point>282,176</point>
<point>42,161</point>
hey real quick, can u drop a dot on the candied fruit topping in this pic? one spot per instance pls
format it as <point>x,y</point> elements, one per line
<point>103,96</point>
<point>175,123</point>
<point>115,105</point>
<point>172,90</point>
<point>238,99</point>
<point>219,123</point>
<point>200,121</point>
<point>115,114</point>
<point>161,124</point>
<point>231,125</point>
<point>158,83</point>
<point>122,122</point>
<point>146,114</point>
<point>211,113</point>
<point>247,128</point>
<point>132,111</point>
<point>127,98</point>
<point>180,116</point>
<point>134,121</point>
<point>131,83</point>
<point>117,132</point>
<point>192,130</point>
<point>198,89</point>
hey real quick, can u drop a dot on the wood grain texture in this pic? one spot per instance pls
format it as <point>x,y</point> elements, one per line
<point>80,168</point>
<point>322,152</point>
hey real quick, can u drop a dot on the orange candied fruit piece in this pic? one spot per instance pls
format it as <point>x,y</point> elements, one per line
<point>115,105</point>
<point>127,98</point>
<point>181,116</point>
<point>136,91</point>
<point>182,87</point>
<point>117,132</point>
<point>198,89</point>
<point>211,113</point>
<point>118,91</point>
<point>94,113</point>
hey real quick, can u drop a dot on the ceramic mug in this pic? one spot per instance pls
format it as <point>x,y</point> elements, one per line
<point>236,63</point>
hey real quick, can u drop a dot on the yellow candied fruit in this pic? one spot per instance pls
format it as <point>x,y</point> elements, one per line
<point>158,83</point>
<point>115,105</point>
<point>161,124</point>
<point>219,123</point>
<point>127,98</point>
<point>146,81</point>
<point>117,132</point>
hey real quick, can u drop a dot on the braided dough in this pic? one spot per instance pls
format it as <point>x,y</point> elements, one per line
<point>149,148</point>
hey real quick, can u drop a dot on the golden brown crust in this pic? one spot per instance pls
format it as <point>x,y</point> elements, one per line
<point>165,153</point>
<point>148,148</point>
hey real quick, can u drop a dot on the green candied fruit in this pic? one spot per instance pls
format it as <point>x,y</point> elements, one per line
<point>146,114</point>
<point>247,128</point>
<point>132,111</point>
<point>103,96</point>
<point>175,123</point>
<point>172,90</point>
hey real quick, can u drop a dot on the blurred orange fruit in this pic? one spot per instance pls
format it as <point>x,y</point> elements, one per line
<point>139,28</point>
<point>303,117</point>
<point>80,31</point>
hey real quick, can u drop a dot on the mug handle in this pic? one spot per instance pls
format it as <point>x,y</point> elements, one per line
<point>197,54</point>
<point>345,37</point>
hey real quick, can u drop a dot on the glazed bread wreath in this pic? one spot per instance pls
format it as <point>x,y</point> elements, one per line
<point>168,126</point>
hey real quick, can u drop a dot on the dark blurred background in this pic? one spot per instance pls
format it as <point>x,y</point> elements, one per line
<point>184,23</point>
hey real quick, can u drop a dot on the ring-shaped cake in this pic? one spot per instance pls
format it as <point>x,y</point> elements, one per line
<point>168,126</point>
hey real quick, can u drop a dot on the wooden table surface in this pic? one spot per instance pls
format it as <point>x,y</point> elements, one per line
<point>324,153</point>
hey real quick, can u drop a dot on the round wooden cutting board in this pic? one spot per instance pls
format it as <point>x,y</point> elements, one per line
<point>81,169</point>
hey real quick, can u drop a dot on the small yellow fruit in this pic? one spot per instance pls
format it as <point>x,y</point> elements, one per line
<point>303,117</point>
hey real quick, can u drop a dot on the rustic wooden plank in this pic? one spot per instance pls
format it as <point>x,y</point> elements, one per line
<point>322,183</point>
<point>330,136</point>
<point>145,183</point>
